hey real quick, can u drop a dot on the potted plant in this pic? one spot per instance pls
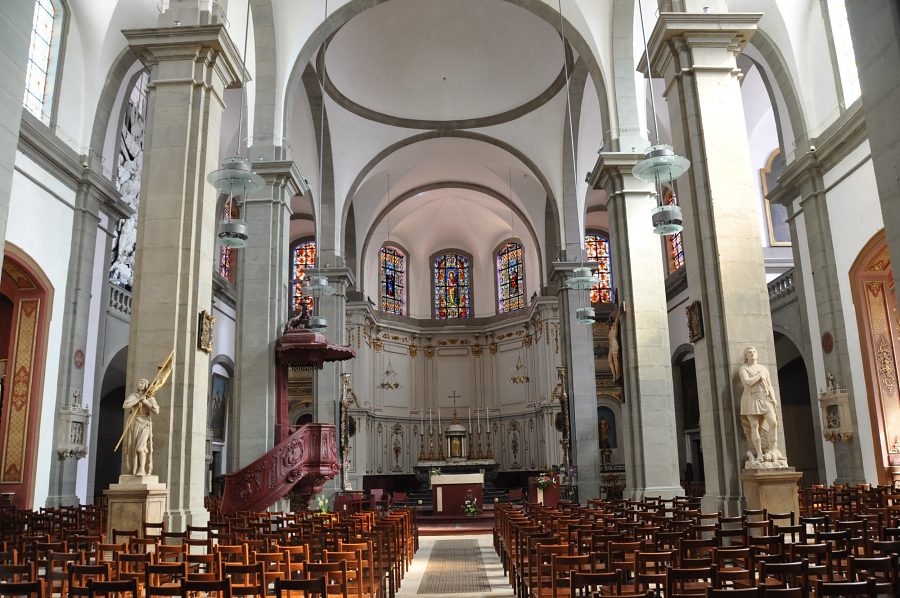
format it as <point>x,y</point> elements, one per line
<point>470,505</point>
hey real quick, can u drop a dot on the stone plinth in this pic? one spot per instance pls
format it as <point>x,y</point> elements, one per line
<point>772,489</point>
<point>135,500</point>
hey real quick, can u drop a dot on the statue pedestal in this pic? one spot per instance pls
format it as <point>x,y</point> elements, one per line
<point>772,489</point>
<point>133,501</point>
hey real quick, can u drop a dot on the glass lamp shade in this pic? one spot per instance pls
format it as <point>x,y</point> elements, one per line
<point>317,286</point>
<point>318,323</point>
<point>233,233</point>
<point>667,220</point>
<point>660,164</point>
<point>585,315</point>
<point>582,278</point>
<point>235,177</point>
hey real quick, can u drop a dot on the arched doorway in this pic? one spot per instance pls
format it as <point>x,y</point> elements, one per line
<point>110,422</point>
<point>26,298</point>
<point>796,409</point>
<point>687,421</point>
<point>872,282</point>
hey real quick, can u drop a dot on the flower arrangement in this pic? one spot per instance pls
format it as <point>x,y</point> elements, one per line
<point>546,480</point>
<point>322,503</point>
<point>470,505</point>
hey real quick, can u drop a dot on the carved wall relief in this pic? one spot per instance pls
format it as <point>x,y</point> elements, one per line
<point>397,448</point>
<point>513,436</point>
<point>128,183</point>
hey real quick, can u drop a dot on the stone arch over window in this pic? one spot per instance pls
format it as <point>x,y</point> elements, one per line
<point>303,257</point>
<point>44,64</point>
<point>451,284</point>
<point>392,279</point>
<point>509,270</point>
<point>597,249</point>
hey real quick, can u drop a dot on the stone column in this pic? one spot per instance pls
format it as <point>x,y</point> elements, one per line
<point>577,345</point>
<point>723,250</point>
<point>803,179</point>
<point>875,29</point>
<point>651,449</point>
<point>93,192</point>
<point>190,67</point>
<point>16,17</point>
<point>263,305</point>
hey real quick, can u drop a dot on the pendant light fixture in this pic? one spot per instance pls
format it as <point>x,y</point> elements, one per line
<point>660,164</point>
<point>235,176</point>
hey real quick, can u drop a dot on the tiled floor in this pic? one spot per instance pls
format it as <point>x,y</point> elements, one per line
<point>491,564</point>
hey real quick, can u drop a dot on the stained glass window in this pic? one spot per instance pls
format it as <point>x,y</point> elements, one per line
<point>510,278</point>
<point>303,257</point>
<point>451,286</point>
<point>39,56</point>
<point>227,255</point>
<point>393,280</point>
<point>675,244</point>
<point>597,247</point>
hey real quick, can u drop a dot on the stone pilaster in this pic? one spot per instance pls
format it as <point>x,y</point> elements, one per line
<point>92,193</point>
<point>651,450</point>
<point>190,67</point>
<point>577,345</point>
<point>333,307</point>
<point>803,179</point>
<point>875,29</point>
<point>723,251</point>
<point>15,22</point>
<point>263,307</point>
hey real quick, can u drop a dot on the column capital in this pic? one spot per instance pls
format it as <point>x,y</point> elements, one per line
<point>699,32</point>
<point>612,173</point>
<point>339,275</point>
<point>210,42</point>
<point>284,173</point>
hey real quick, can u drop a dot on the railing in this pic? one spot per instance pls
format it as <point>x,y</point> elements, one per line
<point>782,286</point>
<point>120,300</point>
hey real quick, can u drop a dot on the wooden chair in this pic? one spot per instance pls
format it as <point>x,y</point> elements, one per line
<point>882,569</point>
<point>784,575</point>
<point>309,588</point>
<point>587,585</point>
<point>80,575</point>
<point>219,588</point>
<point>23,588</point>
<point>246,579</point>
<point>57,570</point>
<point>847,588</point>
<point>689,582</point>
<point>768,592</point>
<point>113,589</point>
<point>164,579</point>
<point>18,573</point>
<point>734,593</point>
<point>203,567</point>
<point>335,575</point>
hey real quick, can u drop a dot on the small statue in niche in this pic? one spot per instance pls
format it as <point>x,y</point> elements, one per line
<point>759,417</point>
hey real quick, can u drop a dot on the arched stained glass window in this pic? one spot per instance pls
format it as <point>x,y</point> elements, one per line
<point>393,280</point>
<point>510,277</point>
<point>452,286</point>
<point>303,257</point>
<point>42,53</point>
<point>597,247</point>
<point>674,242</point>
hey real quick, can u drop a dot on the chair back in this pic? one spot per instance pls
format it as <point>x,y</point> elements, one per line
<point>116,589</point>
<point>310,588</point>
<point>23,588</point>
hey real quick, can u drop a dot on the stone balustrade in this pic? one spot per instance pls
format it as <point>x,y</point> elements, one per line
<point>782,286</point>
<point>120,300</point>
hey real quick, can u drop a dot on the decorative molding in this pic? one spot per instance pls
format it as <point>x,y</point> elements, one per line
<point>205,324</point>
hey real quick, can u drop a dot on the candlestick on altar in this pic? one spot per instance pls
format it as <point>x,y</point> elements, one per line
<point>490,450</point>
<point>440,428</point>
<point>429,418</point>
<point>441,439</point>
<point>478,419</point>
<point>470,420</point>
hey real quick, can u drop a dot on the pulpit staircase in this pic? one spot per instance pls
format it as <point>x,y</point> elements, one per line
<point>302,463</point>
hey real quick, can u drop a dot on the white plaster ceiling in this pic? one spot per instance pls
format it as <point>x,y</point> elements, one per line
<point>432,59</point>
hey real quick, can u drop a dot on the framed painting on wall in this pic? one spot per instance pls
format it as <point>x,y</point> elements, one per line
<point>776,214</point>
<point>219,392</point>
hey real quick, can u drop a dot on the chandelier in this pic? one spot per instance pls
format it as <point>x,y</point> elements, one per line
<point>521,375</point>
<point>389,378</point>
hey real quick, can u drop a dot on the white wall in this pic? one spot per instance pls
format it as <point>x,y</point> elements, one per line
<point>41,205</point>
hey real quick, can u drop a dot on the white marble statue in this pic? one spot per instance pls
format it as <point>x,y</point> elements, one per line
<point>759,416</point>
<point>138,443</point>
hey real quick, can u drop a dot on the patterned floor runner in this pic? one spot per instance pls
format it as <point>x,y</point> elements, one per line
<point>455,567</point>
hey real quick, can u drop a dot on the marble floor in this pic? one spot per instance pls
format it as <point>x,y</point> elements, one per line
<point>473,567</point>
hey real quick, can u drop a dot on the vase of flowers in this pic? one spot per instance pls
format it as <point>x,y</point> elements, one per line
<point>470,505</point>
<point>545,480</point>
<point>322,503</point>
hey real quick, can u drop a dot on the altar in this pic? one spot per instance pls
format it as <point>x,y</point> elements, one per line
<point>449,491</point>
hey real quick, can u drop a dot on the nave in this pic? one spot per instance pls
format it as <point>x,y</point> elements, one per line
<point>461,565</point>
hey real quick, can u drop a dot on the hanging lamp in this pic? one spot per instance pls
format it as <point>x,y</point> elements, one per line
<point>235,176</point>
<point>660,164</point>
